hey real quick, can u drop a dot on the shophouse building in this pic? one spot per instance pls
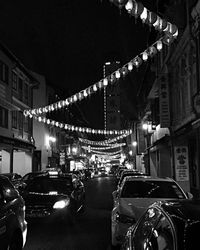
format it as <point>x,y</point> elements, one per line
<point>16,138</point>
<point>172,103</point>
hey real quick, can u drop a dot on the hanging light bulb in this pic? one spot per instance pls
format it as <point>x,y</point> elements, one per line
<point>130,66</point>
<point>144,15</point>
<point>119,3</point>
<point>145,56</point>
<point>75,98</point>
<point>59,105</point>
<point>40,110</point>
<point>66,102</point>
<point>129,6</point>
<point>95,87</point>
<point>85,93</point>
<point>124,71</point>
<point>100,84</point>
<point>117,74</point>
<point>105,82</point>
<point>152,18</point>
<point>137,61</point>
<point>159,45</point>
<point>152,51</point>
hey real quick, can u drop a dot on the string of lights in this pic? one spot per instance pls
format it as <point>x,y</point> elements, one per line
<point>104,148</point>
<point>137,9</point>
<point>80,129</point>
<point>106,142</point>
<point>110,79</point>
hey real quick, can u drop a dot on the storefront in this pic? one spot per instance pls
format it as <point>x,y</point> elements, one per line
<point>15,155</point>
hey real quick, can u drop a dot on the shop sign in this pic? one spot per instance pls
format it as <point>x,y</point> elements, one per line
<point>62,157</point>
<point>164,102</point>
<point>181,163</point>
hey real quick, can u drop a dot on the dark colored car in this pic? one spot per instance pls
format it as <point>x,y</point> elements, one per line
<point>15,178</point>
<point>129,173</point>
<point>29,177</point>
<point>172,225</point>
<point>13,226</point>
<point>54,195</point>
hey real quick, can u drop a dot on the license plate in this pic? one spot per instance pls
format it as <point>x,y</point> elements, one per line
<point>36,215</point>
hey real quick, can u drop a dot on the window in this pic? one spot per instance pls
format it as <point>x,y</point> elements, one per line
<point>25,93</point>
<point>25,124</point>
<point>20,85</point>
<point>14,81</point>
<point>151,189</point>
<point>4,72</point>
<point>3,117</point>
<point>20,120</point>
<point>14,119</point>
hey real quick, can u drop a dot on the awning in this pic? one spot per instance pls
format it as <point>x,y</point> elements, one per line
<point>16,143</point>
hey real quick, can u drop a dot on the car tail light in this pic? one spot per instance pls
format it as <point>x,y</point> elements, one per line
<point>125,218</point>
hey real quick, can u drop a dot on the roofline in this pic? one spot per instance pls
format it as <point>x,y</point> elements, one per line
<point>10,54</point>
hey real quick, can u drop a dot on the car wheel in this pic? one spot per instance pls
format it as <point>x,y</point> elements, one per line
<point>16,242</point>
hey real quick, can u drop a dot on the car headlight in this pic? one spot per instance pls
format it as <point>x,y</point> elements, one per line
<point>124,218</point>
<point>61,204</point>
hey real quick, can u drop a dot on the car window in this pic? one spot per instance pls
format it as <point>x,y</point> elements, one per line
<point>144,229</point>
<point>26,177</point>
<point>162,237</point>
<point>151,189</point>
<point>46,185</point>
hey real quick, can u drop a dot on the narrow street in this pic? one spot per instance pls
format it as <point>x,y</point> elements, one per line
<point>91,229</point>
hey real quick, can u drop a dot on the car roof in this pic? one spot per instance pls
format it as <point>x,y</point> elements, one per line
<point>148,178</point>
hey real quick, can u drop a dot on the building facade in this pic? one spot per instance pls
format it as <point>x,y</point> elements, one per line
<point>16,138</point>
<point>173,103</point>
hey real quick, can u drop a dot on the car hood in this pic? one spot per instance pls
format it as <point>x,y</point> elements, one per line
<point>135,207</point>
<point>42,198</point>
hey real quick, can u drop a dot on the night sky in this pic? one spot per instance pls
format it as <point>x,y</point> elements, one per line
<point>69,41</point>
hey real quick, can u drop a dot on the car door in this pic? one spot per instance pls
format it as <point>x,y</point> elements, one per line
<point>4,214</point>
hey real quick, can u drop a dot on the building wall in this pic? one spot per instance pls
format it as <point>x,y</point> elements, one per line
<point>5,164</point>
<point>15,96</point>
<point>22,162</point>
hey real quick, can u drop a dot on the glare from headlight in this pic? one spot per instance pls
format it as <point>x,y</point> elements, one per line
<point>61,204</point>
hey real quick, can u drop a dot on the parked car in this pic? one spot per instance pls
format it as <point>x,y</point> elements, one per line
<point>14,178</point>
<point>172,225</point>
<point>29,177</point>
<point>13,226</point>
<point>54,195</point>
<point>129,172</point>
<point>134,196</point>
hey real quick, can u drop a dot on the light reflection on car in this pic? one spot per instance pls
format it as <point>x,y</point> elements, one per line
<point>170,225</point>
<point>13,226</point>
<point>134,196</point>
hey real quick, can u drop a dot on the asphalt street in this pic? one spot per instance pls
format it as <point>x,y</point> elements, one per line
<point>90,230</point>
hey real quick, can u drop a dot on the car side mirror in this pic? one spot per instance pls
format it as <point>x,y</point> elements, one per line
<point>11,194</point>
<point>115,194</point>
<point>189,195</point>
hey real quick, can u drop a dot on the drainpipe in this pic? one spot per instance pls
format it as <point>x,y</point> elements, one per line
<point>195,36</point>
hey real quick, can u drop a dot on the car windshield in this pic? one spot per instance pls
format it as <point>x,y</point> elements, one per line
<point>151,189</point>
<point>129,174</point>
<point>46,185</point>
